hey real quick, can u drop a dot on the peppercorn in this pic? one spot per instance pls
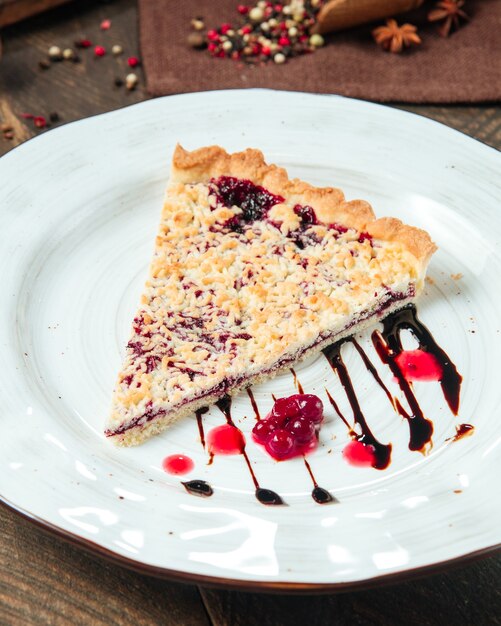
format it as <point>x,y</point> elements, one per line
<point>197,24</point>
<point>117,49</point>
<point>55,53</point>
<point>317,40</point>
<point>196,40</point>
<point>256,14</point>
<point>68,54</point>
<point>131,81</point>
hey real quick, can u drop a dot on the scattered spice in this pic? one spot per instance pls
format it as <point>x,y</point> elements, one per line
<point>105,25</point>
<point>131,81</point>
<point>40,121</point>
<point>317,41</point>
<point>99,51</point>
<point>43,65</point>
<point>83,43</point>
<point>450,12</point>
<point>55,53</point>
<point>196,40</point>
<point>133,62</point>
<point>394,38</point>
<point>117,49</point>
<point>265,32</point>
<point>197,23</point>
<point>54,117</point>
<point>118,82</point>
<point>68,54</point>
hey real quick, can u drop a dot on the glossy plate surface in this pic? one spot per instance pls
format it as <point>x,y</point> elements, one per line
<point>79,209</point>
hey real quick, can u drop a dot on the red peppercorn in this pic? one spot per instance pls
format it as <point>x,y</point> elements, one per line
<point>83,43</point>
<point>266,51</point>
<point>225,28</point>
<point>212,46</point>
<point>213,35</point>
<point>132,61</point>
<point>284,41</point>
<point>99,51</point>
<point>282,26</point>
<point>221,54</point>
<point>242,9</point>
<point>39,121</point>
<point>246,29</point>
<point>303,38</point>
<point>105,25</point>
<point>278,7</point>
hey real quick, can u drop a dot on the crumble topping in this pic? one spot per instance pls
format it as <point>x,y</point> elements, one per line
<point>242,277</point>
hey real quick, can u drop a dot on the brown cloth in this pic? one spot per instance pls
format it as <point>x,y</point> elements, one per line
<point>465,67</point>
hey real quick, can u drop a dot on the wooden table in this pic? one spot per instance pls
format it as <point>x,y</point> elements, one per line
<point>44,580</point>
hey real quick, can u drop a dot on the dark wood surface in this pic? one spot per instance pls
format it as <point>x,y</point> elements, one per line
<point>44,580</point>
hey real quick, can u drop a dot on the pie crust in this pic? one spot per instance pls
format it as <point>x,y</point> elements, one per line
<point>236,295</point>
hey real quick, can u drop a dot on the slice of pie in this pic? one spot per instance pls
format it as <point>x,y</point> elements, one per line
<point>251,273</point>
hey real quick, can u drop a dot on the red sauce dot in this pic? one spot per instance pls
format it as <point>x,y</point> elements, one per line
<point>225,439</point>
<point>177,464</point>
<point>359,454</point>
<point>419,365</point>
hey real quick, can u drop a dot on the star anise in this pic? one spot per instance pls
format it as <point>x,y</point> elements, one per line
<point>395,38</point>
<point>450,12</point>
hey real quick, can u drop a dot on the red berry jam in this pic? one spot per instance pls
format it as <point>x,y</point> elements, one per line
<point>291,427</point>
<point>419,365</point>
<point>225,439</point>
<point>360,454</point>
<point>177,464</point>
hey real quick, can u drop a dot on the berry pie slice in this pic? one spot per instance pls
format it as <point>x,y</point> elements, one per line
<point>252,272</point>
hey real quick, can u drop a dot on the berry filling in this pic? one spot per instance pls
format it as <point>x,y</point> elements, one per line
<point>291,427</point>
<point>255,201</point>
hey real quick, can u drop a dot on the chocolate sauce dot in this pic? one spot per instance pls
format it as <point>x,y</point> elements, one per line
<point>267,496</point>
<point>322,496</point>
<point>198,488</point>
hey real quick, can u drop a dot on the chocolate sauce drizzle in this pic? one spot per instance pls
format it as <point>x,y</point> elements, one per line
<point>297,384</point>
<point>319,494</point>
<point>463,430</point>
<point>198,488</point>
<point>265,496</point>
<point>253,403</point>
<point>200,423</point>
<point>382,452</point>
<point>407,318</point>
<point>370,367</point>
<point>388,345</point>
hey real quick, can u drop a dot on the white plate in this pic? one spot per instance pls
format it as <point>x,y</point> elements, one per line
<point>79,208</point>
